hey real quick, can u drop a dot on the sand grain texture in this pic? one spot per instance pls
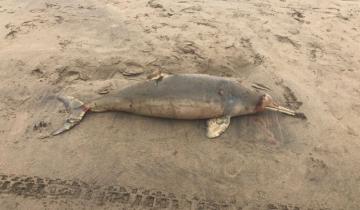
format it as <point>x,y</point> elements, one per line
<point>306,51</point>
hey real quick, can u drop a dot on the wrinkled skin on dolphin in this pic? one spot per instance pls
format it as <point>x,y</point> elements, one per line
<point>183,96</point>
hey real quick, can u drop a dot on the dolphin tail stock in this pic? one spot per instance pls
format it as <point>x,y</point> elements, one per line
<point>77,111</point>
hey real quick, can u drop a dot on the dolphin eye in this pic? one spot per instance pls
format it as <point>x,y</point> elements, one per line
<point>221,92</point>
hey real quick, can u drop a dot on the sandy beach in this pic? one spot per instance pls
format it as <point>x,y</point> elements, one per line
<point>306,52</point>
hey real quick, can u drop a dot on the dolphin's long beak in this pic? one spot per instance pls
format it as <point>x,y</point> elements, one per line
<point>277,108</point>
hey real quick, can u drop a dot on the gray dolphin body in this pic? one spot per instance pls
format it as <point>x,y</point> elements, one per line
<point>184,96</point>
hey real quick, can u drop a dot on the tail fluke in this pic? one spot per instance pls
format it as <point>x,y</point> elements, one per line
<point>77,110</point>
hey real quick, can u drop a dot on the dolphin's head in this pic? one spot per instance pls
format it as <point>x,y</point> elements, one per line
<point>265,101</point>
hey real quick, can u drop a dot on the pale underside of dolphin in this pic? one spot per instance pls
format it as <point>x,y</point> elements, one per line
<point>182,96</point>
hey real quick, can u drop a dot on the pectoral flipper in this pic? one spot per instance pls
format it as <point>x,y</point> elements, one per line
<point>217,126</point>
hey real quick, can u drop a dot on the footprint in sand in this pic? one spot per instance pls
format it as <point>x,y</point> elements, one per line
<point>316,170</point>
<point>316,51</point>
<point>298,16</point>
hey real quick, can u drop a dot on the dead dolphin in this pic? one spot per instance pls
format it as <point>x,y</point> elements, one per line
<point>183,96</point>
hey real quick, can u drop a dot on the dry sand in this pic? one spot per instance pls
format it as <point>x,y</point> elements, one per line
<point>306,51</point>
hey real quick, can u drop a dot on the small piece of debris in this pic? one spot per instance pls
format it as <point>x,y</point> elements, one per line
<point>37,72</point>
<point>40,125</point>
<point>300,115</point>
<point>154,4</point>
